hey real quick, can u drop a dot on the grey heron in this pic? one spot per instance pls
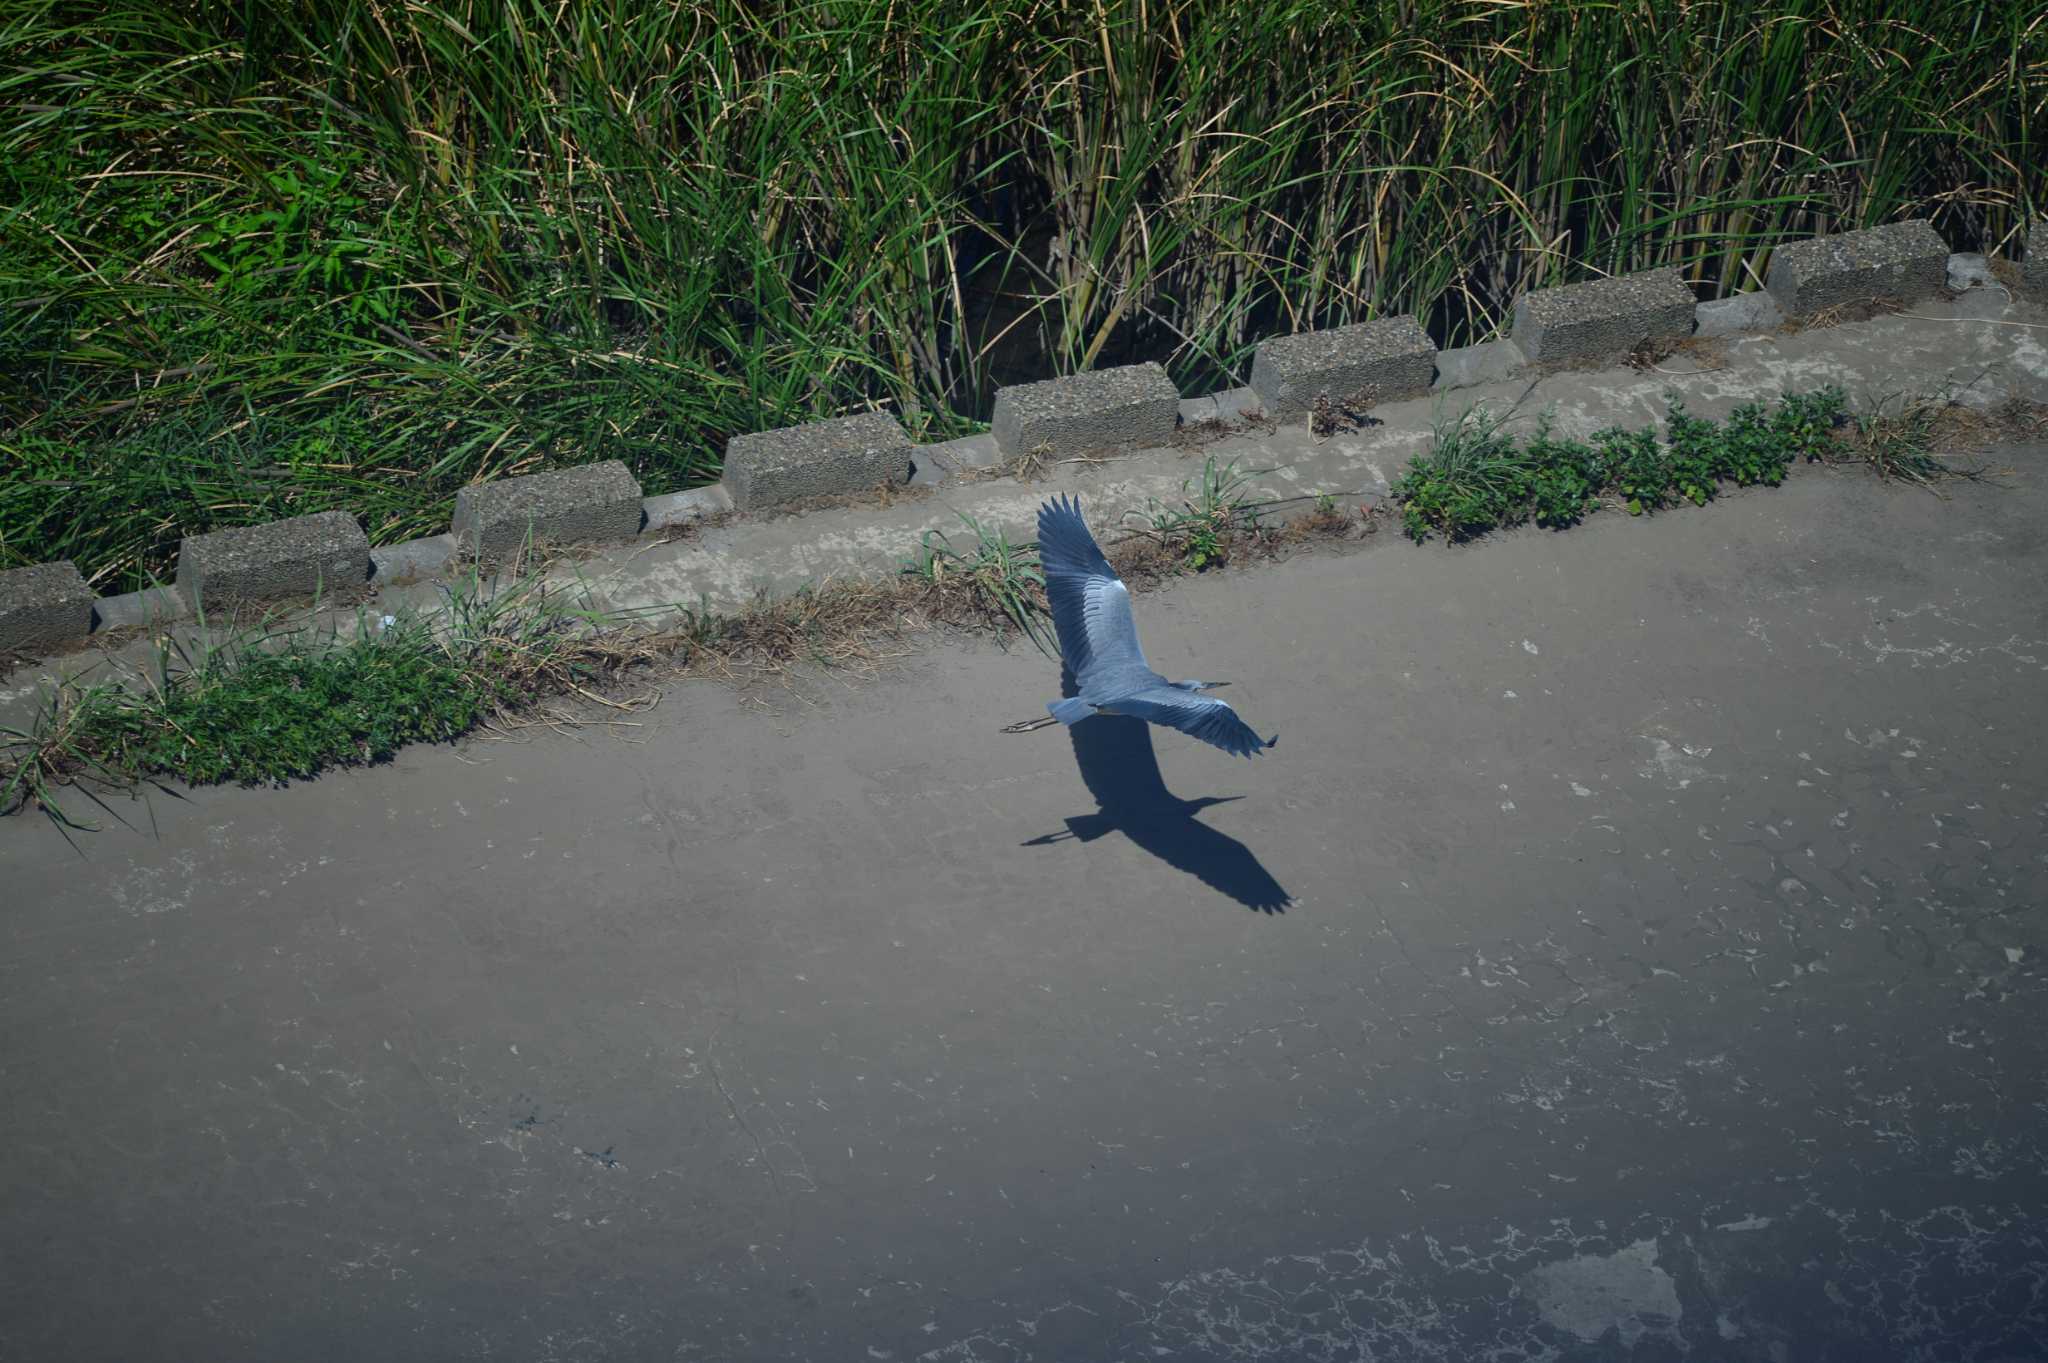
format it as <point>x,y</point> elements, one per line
<point>1091,614</point>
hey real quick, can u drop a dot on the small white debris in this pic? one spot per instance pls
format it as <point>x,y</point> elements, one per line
<point>1530,648</point>
<point>2014,955</point>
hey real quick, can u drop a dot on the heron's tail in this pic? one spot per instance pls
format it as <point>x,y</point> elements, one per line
<point>1072,710</point>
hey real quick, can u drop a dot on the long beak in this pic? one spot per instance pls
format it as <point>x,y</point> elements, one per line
<point>1211,686</point>
<point>1029,725</point>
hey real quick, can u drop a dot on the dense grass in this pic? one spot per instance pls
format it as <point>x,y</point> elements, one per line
<point>266,259</point>
<point>1476,477</point>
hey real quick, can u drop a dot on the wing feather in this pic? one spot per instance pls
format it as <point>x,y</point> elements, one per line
<point>1203,717</point>
<point>1091,607</point>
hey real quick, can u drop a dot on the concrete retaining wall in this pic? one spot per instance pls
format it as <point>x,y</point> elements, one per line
<point>325,555</point>
<point>47,606</point>
<point>1905,261</point>
<point>43,608</point>
<point>1131,407</point>
<point>819,458</point>
<point>1378,361</point>
<point>593,502</point>
<point>1606,319</point>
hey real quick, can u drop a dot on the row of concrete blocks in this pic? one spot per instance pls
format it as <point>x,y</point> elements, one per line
<point>49,606</point>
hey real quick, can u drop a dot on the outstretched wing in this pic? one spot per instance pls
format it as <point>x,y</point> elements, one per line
<point>1203,717</point>
<point>1091,608</point>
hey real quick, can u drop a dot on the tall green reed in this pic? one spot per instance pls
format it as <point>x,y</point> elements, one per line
<point>270,259</point>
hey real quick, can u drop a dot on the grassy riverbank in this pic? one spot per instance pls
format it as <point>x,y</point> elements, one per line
<point>258,261</point>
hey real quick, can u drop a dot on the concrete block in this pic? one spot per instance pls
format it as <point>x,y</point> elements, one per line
<point>1471,365</point>
<point>412,560</point>
<point>591,503</point>
<point>146,609</point>
<point>675,509</point>
<point>1744,313</point>
<point>2034,266</point>
<point>1377,361</point>
<point>816,459</point>
<point>1134,406</point>
<point>325,555</point>
<point>43,607</point>
<point>1604,319</point>
<point>1903,260</point>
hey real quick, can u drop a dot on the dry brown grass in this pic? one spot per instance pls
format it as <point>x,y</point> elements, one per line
<point>1650,352</point>
<point>857,625</point>
<point>1192,436</point>
<point>1841,314</point>
<point>1951,425</point>
<point>1926,439</point>
<point>532,655</point>
<point>1327,415</point>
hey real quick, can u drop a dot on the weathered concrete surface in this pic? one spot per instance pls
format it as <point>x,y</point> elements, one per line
<point>1969,270</point>
<point>1129,406</point>
<point>819,458</point>
<point>673,510</point>
<point>590,502</point>
<point>1471,365</point>
<point>1663,976</point>
<point>45,606</point>
<point>325,555</point>
<point>150,608</point>
<point>1907,261</point>
<point>1985,358</point>
<point>1985,345</point>
<point>1228,406</point>
<point>1604,319</point>
<point>1388,358</point>
<point>1733,316</point>
<point>413,560</point>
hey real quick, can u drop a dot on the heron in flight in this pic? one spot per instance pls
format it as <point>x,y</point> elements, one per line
<point>1091,614</point>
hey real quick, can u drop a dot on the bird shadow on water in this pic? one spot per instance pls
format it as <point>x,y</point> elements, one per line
<point>1120,769</point>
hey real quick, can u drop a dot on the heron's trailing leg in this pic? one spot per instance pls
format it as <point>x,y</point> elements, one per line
<point>1072,710</point>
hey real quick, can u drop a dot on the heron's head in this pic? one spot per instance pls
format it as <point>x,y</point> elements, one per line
<point>1199,685</point>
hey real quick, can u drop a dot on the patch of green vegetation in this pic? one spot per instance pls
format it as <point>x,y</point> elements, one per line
<point>1212,516</point>
<point>258,261</point>
<point>269,706</point>
<point>1002,578</point>
<point>273,704</point>
<point>1472,479</point>
<point>1475,477</point>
